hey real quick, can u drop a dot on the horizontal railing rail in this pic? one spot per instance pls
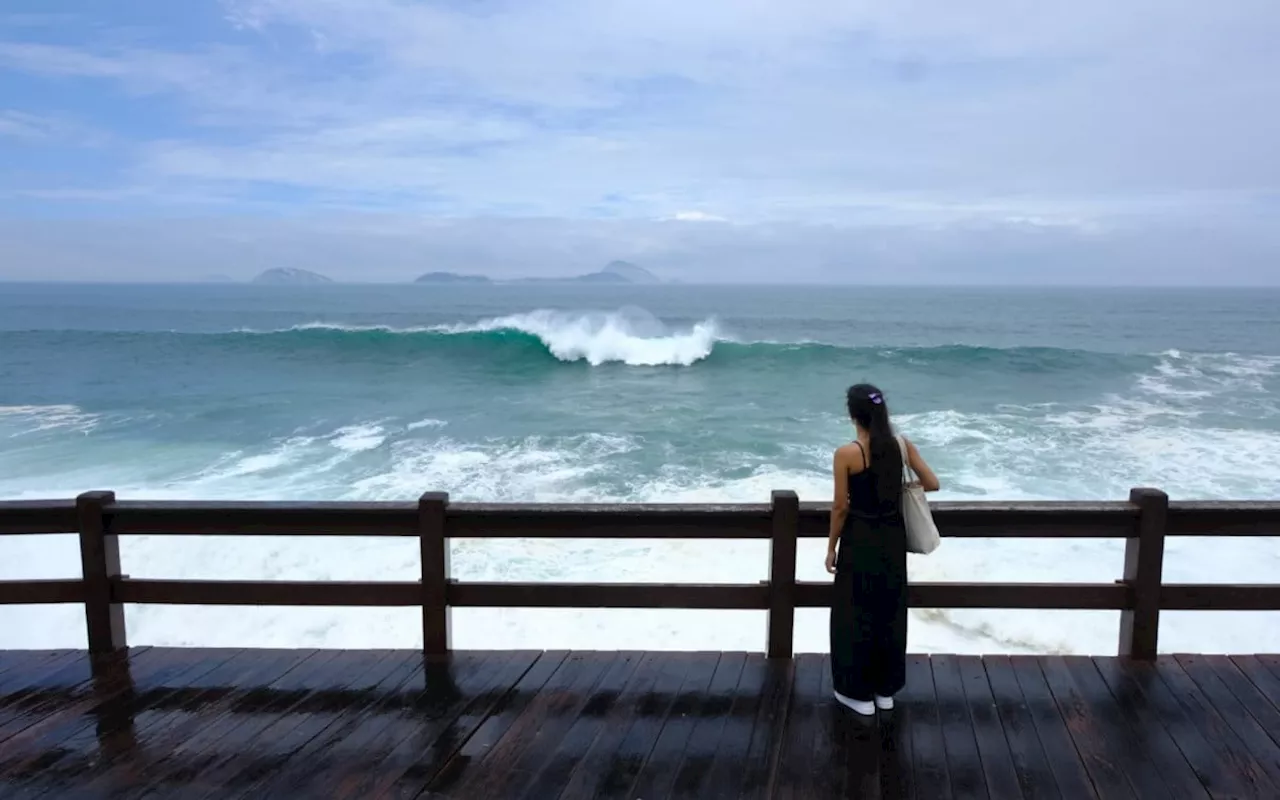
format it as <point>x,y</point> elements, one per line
<point>1140,594</point>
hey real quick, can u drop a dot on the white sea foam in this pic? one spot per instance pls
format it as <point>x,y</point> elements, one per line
<point>426,423</point>
<point>358,438</point>
<point>1146,436</point>
<point>630,336</point>
<point>35,419</point>
<point>1197,376</point>
<point>337,327</point>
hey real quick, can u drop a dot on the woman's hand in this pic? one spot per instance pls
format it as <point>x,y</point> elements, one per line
<point>831,560</point>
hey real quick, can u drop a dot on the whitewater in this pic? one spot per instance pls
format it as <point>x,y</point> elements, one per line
<point>660,394</point>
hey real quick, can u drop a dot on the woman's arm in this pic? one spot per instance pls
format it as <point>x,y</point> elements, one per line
<point>839,504</point>
<point>928,481</point>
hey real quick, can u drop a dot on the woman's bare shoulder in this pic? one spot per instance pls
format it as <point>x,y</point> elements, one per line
<point>849,455</point>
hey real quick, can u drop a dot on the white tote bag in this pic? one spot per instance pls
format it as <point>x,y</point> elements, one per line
<point>922,533</point>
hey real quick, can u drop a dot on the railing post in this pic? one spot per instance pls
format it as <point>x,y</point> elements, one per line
<point>432,507</point>
<point>1144,573</point>
<point>785,513</point>
<point>99,563</point>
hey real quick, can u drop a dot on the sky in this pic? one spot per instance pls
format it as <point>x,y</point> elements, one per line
<point>918,141</point>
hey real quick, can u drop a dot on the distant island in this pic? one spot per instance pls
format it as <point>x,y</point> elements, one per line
<point>618,272</point>
<point>451,277</point>
<point>626,272</point>
<point>614,272</point>
<point>291,276</point>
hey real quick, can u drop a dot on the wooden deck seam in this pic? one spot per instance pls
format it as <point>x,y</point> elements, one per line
<point>1272,697</point>
<point>785,712</point>
<point>90,712</point>
<point>501,725</point>
<point>159,724</point>
<point>990,762</point>
<point>1222,732</point>
<point>1033,665</point>
<point>167,765</point>
<point>1225,668</point>
<point>498,704</point>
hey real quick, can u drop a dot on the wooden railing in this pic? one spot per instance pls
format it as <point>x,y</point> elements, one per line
<point>1143,522</point>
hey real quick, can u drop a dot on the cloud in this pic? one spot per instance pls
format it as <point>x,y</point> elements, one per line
<point>18,125</point>
<point>696,216</point>
<point>928,115</point>
<point>394,247</point>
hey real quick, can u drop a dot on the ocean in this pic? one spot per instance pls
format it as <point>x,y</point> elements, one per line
<point>571,393</point>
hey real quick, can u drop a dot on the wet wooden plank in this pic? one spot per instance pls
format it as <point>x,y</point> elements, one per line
<point>657,776</point>
<point>598,711</point>
<point>98,724</point>
<point>706,725</point>
<point>917,713</point>
<point>272,746</point>
<point>1264,680</point>
<point>478,732</point>
<point>17,663</point>
<point>804,769</point>
<point>19,683</point>
<point>78,699</point>
<point>87,693</point>
<point>1065,761</point>
<point>645,743</point>
<point>418,727</point>
<point>247,744</point>
<point>220,723</point>
<point>1149,754</point>
<point>1026,752</point>
<point>1099,741</point>
<point>1213,763</point>
<point>533,733</point>
<point>614,726</point>
<point>211,724</point>
<point>1257,703</point>
<point>41,692</point>
<point>800,755</point>
<point>861,755</point>
<point>421,759</point>
<point>1234,753</point>
<point>964,763</point>
<point>378,686</point>
<point>896,758</point>
<point>848,750</point>
<point>158,716</point>
<point>1250,731</point>
<point>611,766</point>
<point>117,729</point>
<point>993,747</point>
<point>1271,661</point>
<point>229,739</point>
<point>240,685</point>
<point>309,762</point>
<point>731,731</point>
<point>767,734</point>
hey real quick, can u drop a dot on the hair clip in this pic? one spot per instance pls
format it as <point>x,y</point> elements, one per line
<point>876,398</point>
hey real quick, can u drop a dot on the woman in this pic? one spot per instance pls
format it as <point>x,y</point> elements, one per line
<point>869,605</point>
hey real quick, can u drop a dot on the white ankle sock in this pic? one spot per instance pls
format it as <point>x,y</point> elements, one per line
<point>864,707</point>
<point>884,703</point>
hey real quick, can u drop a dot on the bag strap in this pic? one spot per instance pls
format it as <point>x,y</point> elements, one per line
<point>906,458</point>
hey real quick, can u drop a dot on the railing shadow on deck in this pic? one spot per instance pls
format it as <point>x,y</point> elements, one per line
<point>1140,594</point>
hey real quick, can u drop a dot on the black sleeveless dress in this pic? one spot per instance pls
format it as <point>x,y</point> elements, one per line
<point>869,604</point>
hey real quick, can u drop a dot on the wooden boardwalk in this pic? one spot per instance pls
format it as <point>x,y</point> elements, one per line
<point>491,725</point>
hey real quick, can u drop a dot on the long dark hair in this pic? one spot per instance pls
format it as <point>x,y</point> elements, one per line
<point>868,408</point>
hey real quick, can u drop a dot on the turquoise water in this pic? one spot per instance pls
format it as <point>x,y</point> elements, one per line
<point>580,393</point>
